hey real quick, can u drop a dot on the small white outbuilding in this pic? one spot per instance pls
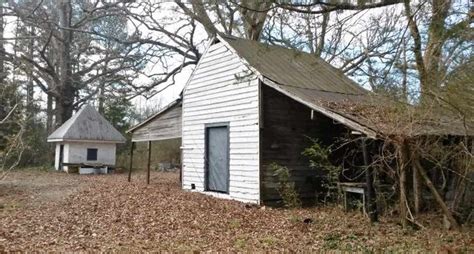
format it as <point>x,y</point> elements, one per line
<point>86,141</point>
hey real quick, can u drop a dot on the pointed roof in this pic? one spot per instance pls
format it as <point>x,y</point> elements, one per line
<point>293,68</point>
<point>87,125</point>
<point>301,76</point>
<point>317,84</point>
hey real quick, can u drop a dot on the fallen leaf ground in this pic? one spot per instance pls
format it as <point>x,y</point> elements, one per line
<point>49,211</point>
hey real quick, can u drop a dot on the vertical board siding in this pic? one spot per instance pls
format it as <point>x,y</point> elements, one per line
<point>288,130</point>
<point>216,94</point>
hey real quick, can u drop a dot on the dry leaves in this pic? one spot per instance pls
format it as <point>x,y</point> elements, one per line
<point>106,213</point>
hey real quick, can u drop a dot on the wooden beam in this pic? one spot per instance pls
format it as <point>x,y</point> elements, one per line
<point>404,160</point>
<point>416,190</point>
<point>131,162</point>
<point>371,201</point>
<point>148,164</point>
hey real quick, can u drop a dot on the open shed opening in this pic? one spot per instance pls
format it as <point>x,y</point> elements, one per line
<point>165,155</point>
<point>156,142</point>
<point>288,128</point>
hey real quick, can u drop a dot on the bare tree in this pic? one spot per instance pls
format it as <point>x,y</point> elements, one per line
<point>441,30</point>
<point>65,53</point>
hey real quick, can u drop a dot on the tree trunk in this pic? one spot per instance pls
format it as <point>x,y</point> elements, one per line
<point>101,98</point>
<point>428,64</point>
<point>405,72</point>
<point>2,47</point>
<point>29,84</point>
<point>102,85</point>
<point>254,14</point>
<point>199,13</point>
<point>322,36</point>
<point>310,35</point>
<point>434,46</point>
<point>65,100</point>
<point>64,105</point>
<point>49,114</point>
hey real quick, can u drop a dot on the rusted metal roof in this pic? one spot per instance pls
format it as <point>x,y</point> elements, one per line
<point>293,68</point>
<point>315,83</point>
<point>87,125</point>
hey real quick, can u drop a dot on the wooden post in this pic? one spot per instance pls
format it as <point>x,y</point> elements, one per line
<point>131,162</point>
<point>148,164</point>
<point>416,189</point>
<point>404,161</point>
<point>371,201</point>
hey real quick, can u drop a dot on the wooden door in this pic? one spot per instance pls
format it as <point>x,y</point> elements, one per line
<point>217,158</point>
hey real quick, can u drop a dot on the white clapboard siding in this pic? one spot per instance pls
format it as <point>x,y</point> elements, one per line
<point>215,95</point>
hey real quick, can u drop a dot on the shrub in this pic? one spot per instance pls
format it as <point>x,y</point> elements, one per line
<point>286,188</point>
<point>318,156</point>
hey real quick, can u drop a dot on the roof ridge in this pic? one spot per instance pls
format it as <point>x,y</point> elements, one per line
<point>87,124</point>
<point>292,67</point>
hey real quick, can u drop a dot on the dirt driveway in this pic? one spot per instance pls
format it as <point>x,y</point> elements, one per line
<point>31,188</point>
<point>48,211</point>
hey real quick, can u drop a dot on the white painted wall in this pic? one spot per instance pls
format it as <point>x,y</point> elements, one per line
<point>56,157</point>
<point>76,152</point>
<point>214,95</point>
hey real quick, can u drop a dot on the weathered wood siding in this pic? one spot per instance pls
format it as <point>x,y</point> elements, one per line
<point>165,126</point>
<point>216,94</point>
<point>287,126</point>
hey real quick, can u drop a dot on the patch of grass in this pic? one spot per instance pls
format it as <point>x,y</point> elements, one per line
<point>295,219</point>
<point>234,224</point>
<point>184,248</point>
<point>449,239</point>
<point>332,241</point>
<point>240,243</point>
<point>10,206</point>
<point>268,241</point>
<point>351,237</point>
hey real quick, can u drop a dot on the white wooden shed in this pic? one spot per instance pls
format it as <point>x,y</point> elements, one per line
<point>86,141</point>
<point>248,105</point>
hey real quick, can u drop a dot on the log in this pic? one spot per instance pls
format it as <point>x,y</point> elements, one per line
<point>436,195</point>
